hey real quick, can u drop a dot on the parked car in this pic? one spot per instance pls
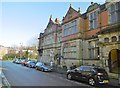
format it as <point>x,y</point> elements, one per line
<point>31,64</point>
<point>91,74</point>
<point>24,62</point>
<point>43,67</point>
<point>14,60</point>
<point>17,61</point>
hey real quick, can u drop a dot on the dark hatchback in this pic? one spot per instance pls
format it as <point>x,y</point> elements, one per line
<point>91,74</point>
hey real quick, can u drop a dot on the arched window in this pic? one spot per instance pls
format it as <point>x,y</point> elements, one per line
<point>114,39</point>
<point>106,40</point>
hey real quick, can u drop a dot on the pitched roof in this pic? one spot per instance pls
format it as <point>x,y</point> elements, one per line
<point>72,12</point>
<point>50,22</point>
<point>92,7</point>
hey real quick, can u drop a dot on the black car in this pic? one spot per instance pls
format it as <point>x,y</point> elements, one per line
<point>91,74</point>
<point>43,67</point>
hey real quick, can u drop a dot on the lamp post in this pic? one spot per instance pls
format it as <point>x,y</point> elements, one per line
<point>20,50</point>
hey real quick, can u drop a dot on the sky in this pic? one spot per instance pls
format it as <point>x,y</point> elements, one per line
<point>23,20</point>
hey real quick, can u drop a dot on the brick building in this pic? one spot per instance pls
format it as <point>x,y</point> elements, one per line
<point>71,37</point>
<point>50,41</point>
<point>89,38</point>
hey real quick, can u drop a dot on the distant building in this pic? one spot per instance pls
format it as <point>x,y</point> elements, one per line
<point>3,51</point>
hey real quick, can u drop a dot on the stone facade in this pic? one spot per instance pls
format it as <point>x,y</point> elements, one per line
<point>89,38</point>
<point>50,42</point>
<point>71,41</point>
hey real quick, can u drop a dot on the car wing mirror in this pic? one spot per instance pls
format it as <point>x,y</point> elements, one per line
<point>76,70</point>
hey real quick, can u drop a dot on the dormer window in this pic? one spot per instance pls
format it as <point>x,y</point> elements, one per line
<point>114,12</point>
<point>93,20</point>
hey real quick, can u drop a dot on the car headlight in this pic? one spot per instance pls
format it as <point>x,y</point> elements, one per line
<point>68,70</point>
<point>99,73</point>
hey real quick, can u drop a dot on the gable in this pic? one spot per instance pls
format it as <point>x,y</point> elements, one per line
<point>71,14</point>
<point>49,26</point>
<point>50,23</point>
<point>93,7</point>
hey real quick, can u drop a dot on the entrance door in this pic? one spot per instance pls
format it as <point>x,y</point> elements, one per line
<point>114,61</point>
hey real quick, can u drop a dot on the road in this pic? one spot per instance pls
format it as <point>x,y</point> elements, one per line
<point>18,75</point>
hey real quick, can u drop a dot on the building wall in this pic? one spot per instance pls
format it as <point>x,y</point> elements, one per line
<point>71,41</point>
<point>50,42</point>
<point>90,39</point>
<point>71,52</point>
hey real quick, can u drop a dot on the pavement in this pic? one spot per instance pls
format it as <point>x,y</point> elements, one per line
<point>3,80</point>
<point>114,82</point>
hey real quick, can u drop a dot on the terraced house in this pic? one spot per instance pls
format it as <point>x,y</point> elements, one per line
<point>93,23</point>
<point>101,29</point>
<point>71,37</point>
<point>109,38</point>
<point>89,38</point>
<point>50,42</point>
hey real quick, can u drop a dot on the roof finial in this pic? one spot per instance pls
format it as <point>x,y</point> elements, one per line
<point>70,5</point>
<point>79,10</point>
<point>50,16</point>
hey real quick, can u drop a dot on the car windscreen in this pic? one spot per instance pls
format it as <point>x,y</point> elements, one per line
<point>100,70</point>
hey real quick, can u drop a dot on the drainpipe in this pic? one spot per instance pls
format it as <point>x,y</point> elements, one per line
<point>82,41</point>
<point>101,45</point>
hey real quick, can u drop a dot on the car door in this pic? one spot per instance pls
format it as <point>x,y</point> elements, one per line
<point>85,73</point>
<point>77,73</point>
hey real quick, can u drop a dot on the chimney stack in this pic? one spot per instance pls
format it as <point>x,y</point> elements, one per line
<point>57,21</point>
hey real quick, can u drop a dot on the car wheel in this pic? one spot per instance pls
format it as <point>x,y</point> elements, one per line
<point>91,82</point>
<point>36,68</point>
<point>69,76</point>
<point>42,70</point>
